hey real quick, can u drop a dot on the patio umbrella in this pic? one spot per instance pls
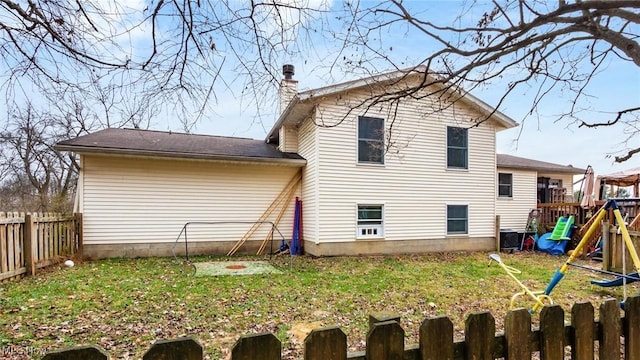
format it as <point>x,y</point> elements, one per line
<point>587,195</point>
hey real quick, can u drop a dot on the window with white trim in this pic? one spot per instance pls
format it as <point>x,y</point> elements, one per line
<point>505,185</point>
<point>370,140</point>
<point>457,148</point>
<point>370,221</point>
<point>457,219</point>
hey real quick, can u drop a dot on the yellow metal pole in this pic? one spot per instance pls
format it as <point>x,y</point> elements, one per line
<point>627,239</point>
<point>560,273</point>
<point>583,242</point>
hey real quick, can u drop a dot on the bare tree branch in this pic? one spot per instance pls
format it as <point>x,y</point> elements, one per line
<point>611,122</point>
<point>628,156</point>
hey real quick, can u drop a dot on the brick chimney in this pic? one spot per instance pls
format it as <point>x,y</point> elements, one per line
<point>288,134</point>
<point>288,86</point>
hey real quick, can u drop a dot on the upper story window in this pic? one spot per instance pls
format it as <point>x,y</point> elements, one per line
<point>457,148</point>
<point>370,140</point>
<point>505,185</point>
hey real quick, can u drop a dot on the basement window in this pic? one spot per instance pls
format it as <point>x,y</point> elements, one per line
<point>457,219</point>
<point>370,221</point>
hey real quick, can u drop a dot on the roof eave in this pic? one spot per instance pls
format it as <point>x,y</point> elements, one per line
<point>276,127</point>
<point>168,154</point>
<point>502,119</point>
<point>574,171</point>
<point>309,95</point>
<point>505,121</point>
<point>362,82</point>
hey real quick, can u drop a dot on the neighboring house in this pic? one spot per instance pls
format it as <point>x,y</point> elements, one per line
<point>403,176</point>
<point>525,183</point>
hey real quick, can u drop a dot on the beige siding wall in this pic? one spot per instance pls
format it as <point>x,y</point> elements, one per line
<point>288,139</point>
<point>308,142</point>
<point>414,184</point>
<point>514,211</point>
<point>129,200</point>
<point>567,180</point>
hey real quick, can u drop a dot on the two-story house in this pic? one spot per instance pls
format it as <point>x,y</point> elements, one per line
<point>379,176</point>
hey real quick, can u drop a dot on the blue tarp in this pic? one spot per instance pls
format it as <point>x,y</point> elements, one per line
<point>553,247</point>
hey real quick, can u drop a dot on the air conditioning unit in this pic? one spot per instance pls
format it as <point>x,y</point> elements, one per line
<point>365,231</point>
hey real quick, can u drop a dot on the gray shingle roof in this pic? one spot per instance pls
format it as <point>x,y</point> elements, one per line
<point>514,162</point>
<point>170,144</point>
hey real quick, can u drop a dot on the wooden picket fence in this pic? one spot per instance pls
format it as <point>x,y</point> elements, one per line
<point>32,241</point>
<point>553,340</point>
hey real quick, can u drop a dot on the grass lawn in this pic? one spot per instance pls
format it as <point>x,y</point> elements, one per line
<point>124,305</point>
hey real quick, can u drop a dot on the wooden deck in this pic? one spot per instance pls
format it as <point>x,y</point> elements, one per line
<point>549,213</point>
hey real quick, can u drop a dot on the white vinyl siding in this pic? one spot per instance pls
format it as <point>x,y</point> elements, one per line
<point>414,184</point>
<point>288,139</point>
<point>308,142</point>
<point>148,200</point>
<point>515,210</point>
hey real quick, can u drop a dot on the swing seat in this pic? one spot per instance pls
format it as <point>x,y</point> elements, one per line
<point>631,278</point>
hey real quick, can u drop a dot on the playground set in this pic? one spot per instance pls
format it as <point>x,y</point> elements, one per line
<point>554,242</point>
<point>561,233</point>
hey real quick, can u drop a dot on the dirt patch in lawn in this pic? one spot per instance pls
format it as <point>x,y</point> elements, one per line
<point>221,268</point>
<point>300,329</point>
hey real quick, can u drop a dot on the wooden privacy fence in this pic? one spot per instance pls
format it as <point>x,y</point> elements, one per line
<point>612,245</point>
<point>617,337</point>
<point>32,241</point>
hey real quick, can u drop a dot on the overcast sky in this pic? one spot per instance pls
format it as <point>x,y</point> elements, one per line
<point>538,137</point>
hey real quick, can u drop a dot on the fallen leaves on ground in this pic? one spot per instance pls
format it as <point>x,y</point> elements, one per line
<point>124,305</point>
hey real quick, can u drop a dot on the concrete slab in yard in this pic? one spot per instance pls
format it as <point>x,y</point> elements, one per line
<point>219,268</point>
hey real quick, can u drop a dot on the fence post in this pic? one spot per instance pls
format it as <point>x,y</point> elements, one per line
<point>517,327</point>
<point>78,235</point>
<point>606,248</point>
<point>480,330</point>
<point>185,348</point>
<point>632,327</point>
<point>259,346</point>
<point>436,339</point>
<point>552,333</point>
<point>29,245</point>
<point>385,341</point>
<point>329,343</point>
<point>78,353</point>
<point>610,330</point>
<point>382,317</point>
<point>4,258</point>
<point>497,233</point>
<point>582,334</point>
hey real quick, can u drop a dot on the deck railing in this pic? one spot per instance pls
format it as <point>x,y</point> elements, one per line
<point>550,212</point>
